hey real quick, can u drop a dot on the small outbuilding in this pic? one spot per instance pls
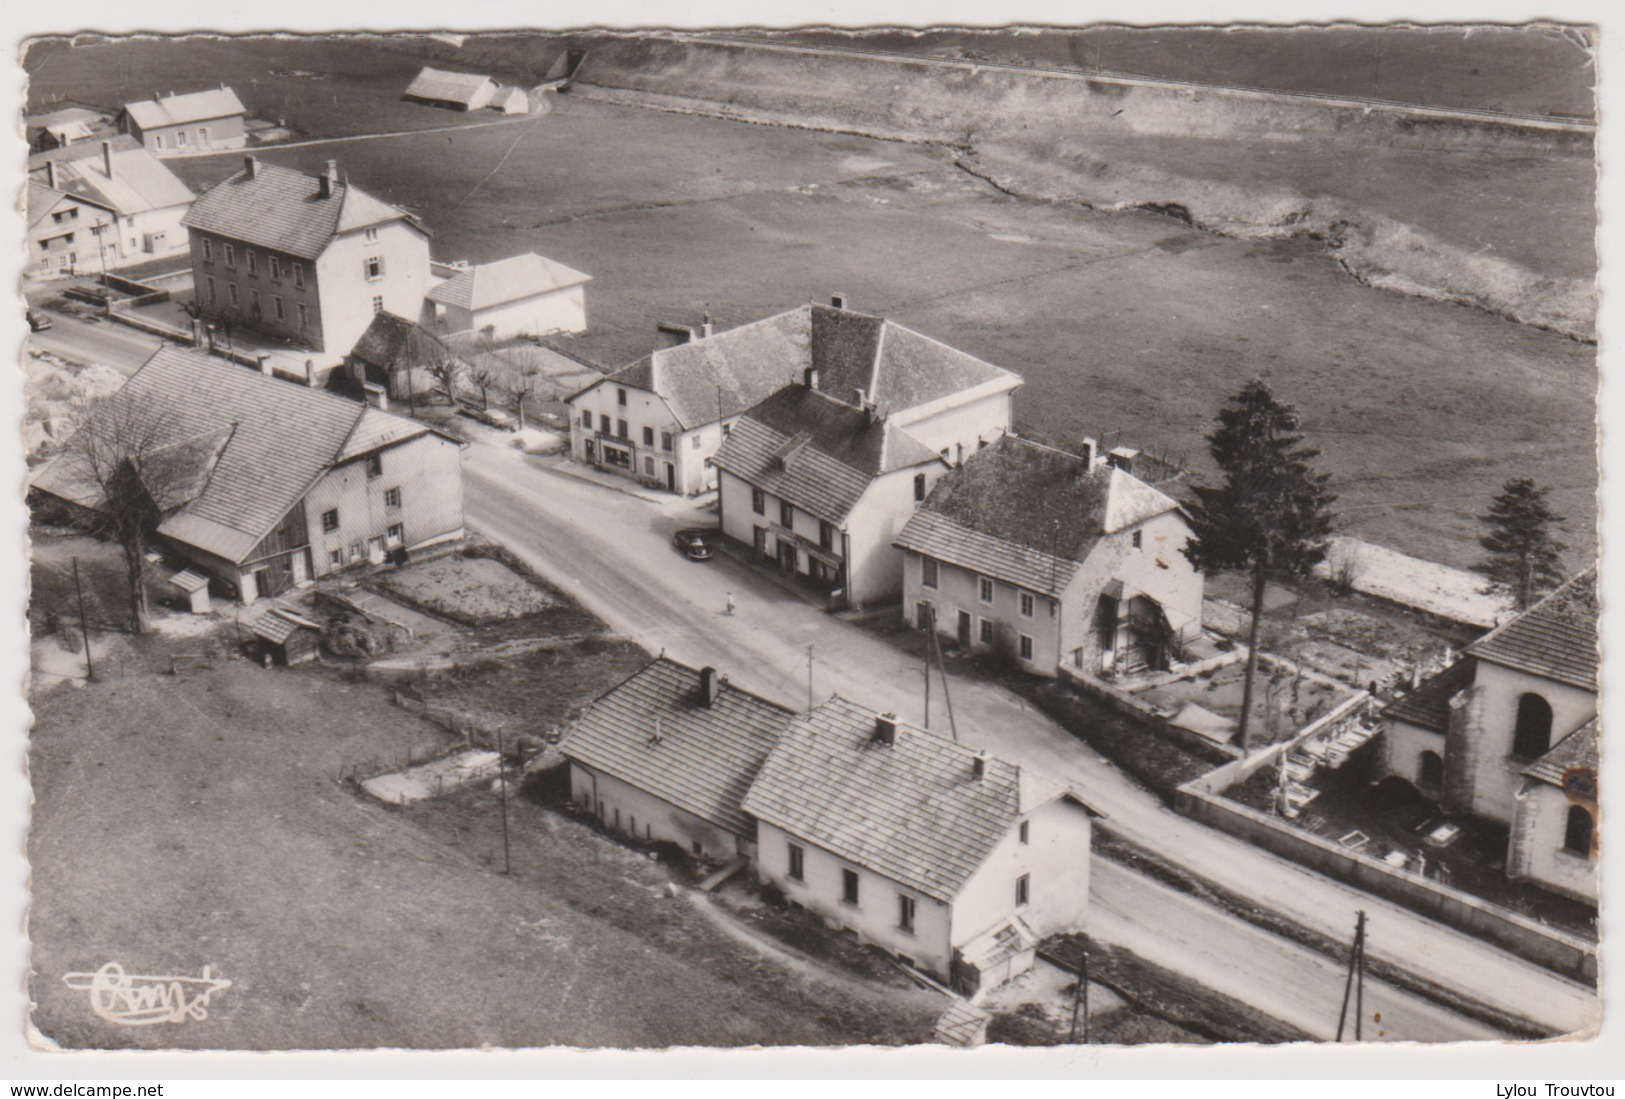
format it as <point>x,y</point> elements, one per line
<point>286,637</point>
<point>452,90</point>
<point>510,101</point>
<point>195,587</point>
<point>523,295</point>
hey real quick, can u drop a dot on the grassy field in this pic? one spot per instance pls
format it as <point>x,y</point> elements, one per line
<point>192,821</point>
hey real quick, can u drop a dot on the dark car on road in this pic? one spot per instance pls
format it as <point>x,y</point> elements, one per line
<point>695,543</point>
<point>38,322</point>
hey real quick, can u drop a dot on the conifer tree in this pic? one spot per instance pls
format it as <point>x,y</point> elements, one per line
<point>1523,553</point>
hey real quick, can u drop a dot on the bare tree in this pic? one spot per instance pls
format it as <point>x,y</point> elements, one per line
<point>446,370</point>
<point>127,468</point>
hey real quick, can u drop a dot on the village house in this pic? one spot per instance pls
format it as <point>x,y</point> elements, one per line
<point>1050,558</point>
<point>667,755</point>
<point>205,121</point>
<point>101,206</point>
<point>396,354</point>
<point>822,488</point>
<point>522,296</point>
<point>263,484</point>
<point>662,419</point>
<point>66,126</point>
<point>306,259</point>
<point>956,862</point>
<point>1509,734</point>
<point>452,90</point>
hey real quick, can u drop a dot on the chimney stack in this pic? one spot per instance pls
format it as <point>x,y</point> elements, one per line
<point>250,165</point>
<point>1091,452</point>
<point>809,377</point>
<point>886,729</point>
<point>710,686</point>
<point>264,360</point>
<point>978,766</point>
<point>376,396</point>
<point>837,301</point>
<point>329,179</point>
<point>50,174</point>
<point>860,399</point>
<point>311,377</point>
<point>1122,458</point>
<point>705,326</point>
<point>107,158</point>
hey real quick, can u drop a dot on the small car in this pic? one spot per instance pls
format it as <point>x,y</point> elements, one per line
<point>694,543</point>
<point>498,418</point>
<point>38,322</point>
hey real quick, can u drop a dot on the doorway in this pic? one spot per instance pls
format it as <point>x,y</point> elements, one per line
<point>964,629</point>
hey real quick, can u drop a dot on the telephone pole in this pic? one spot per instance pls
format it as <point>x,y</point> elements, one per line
<point>502,793</point>
<point>1356,982</point>
<point>1080,999</point>
<point>84,627</point>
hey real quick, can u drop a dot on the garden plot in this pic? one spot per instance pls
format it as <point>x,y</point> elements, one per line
<point>476,591</point>
<point>1285,699</point>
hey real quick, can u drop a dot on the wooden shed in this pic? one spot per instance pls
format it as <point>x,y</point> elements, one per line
<point>195,586</point>
<point>286,637</point>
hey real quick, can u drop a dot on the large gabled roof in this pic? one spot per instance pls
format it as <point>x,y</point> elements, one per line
<point>655,732</point>
<point>819,454</point>
<point>445,86</point>
<point>246,447</point>
<point>912,810</point>
<point>283,210</point>
<point>1556,638</point>
<point>188,107</point>
<point>1027,513</point>
<point>139,181</point>
<point>724,374</point>
<point>486,285</point>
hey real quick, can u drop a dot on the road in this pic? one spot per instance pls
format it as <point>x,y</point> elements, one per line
<point>612,551</point>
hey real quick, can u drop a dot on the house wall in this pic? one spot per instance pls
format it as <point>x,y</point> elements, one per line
<point>427,470</point>
<point>62,240</point>
<point>190,137</point>
<point>875,565</point>
<point>1536,850</point>
<point>1157,568</point>
<point>212,279</point>
<point>1056,861</point>
<point>1402,748</point>
<point>643,409</point>
<point>961,424</point>
<point>874,917</point>
<point>622,806</point>
<point>959,589</point>
<point>347,293</point>
<point>557,311</point>
<point>1481,774</point>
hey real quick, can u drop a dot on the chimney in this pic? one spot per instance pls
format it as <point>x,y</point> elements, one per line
<point>1122,458</point>
<point>107,158</point>
<point>886,729</point>
<point>249,166</point>
<point>710,686</point>
<point>859,397</point>
<point>311,378</point>
<point>809,377</point>
<point>264,361</point>
<point>50,174</point>
<point>1091,452</point>
<point>328,179</point>
<point>978,766</point>
<point>376,396</point>
<point>705,326</point>
<point>837,301</point>
<point>197,332</point>
<point>656,737</point>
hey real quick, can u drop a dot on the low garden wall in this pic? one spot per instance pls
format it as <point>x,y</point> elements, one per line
<point>1557,951</point>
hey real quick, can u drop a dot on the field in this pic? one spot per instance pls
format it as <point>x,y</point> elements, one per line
<point>197,821</point>
<point>1127,323</point>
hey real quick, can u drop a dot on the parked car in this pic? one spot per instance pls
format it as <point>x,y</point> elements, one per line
<point>499,418</point>
<point>695,543</point>
<point>38,322</point>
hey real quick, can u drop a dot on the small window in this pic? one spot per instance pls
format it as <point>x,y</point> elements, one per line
<point>1025,601</point>
<point>1023,890</point>
<point>1026,647</point>
<point>157,141</point>
<point>798,863</point>
<point>697,848</point>
<point>787,514</point>
<point>928,572</point>
<point>180,138</point>
<point>336,558</point>
<point>276,268</point>
<point>620,429</point>
<point>208,250</point>
<point>209,285</point>
<point>648,436</point>
<point>620,397</point>
<point>1138,542</point>
<point>586,419</point>
<point>905,912</point>
<point>665,441</point>
<point>231,256</point>
<point>231,293</point>
<point>603,424</point>
<point>371,234</point>
<point>1532,735</point>
<point>397,534</point>
<point>278,308</point>
<point>330,520</point>
<point>378,303</point>
<point>392,498</point>
<point>849,886</point>
<point>252,261</point>
<point>254,303</point>
<point>304,317</point>
<point>919,486</point>
<point>1579,831</point>
<point>984,588</point>
<point>1025,834</point>
<point>727,430</point>
<point>299,275</point>
<point>696,443</point>
<point>375,268</point>
<point>985,631</point>
<point>758,501</point>
<point>375,466</point>
<point>826,535</point>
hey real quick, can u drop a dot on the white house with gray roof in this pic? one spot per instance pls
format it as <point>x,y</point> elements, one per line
<point>102,205</point>
<point>522,296</point>
<point>263,483</point>
<point>1052,558</point>
<point>170,125</point>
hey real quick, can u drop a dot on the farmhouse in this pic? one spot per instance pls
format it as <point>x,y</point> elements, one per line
<point>66,126</point>
<point>100,206</point>
<point>307,259</point>
<point>1050,557</point>
<point>209,120</point>
<point>1509,734</point>
<point>264,484</point>
<point>956,862</point>
<point>522,296</point>
<point>667,757</point>
<point>823,487</point>
<point>453,90</point>
<point>662,419</point>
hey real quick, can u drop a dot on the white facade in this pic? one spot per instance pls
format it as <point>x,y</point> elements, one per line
<point>633,432</point>
<point>960,424</point>
<point>1539,849</point>
<point>562,310</point>
<point>637,813</point>
<point>350,292</point>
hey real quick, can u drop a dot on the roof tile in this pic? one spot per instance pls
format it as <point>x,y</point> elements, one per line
<point>1556,638</point>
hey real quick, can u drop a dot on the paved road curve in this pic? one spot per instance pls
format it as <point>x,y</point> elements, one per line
<point>612,551</point>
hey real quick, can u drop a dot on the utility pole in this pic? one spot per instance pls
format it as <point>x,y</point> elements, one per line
<point>1080,999</point>
<point>1356,966</point>
<point>927,670</point>
<point>502,793</point>
<point>947,697</point>
<point>84,627</point>
<point>809,679</point>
